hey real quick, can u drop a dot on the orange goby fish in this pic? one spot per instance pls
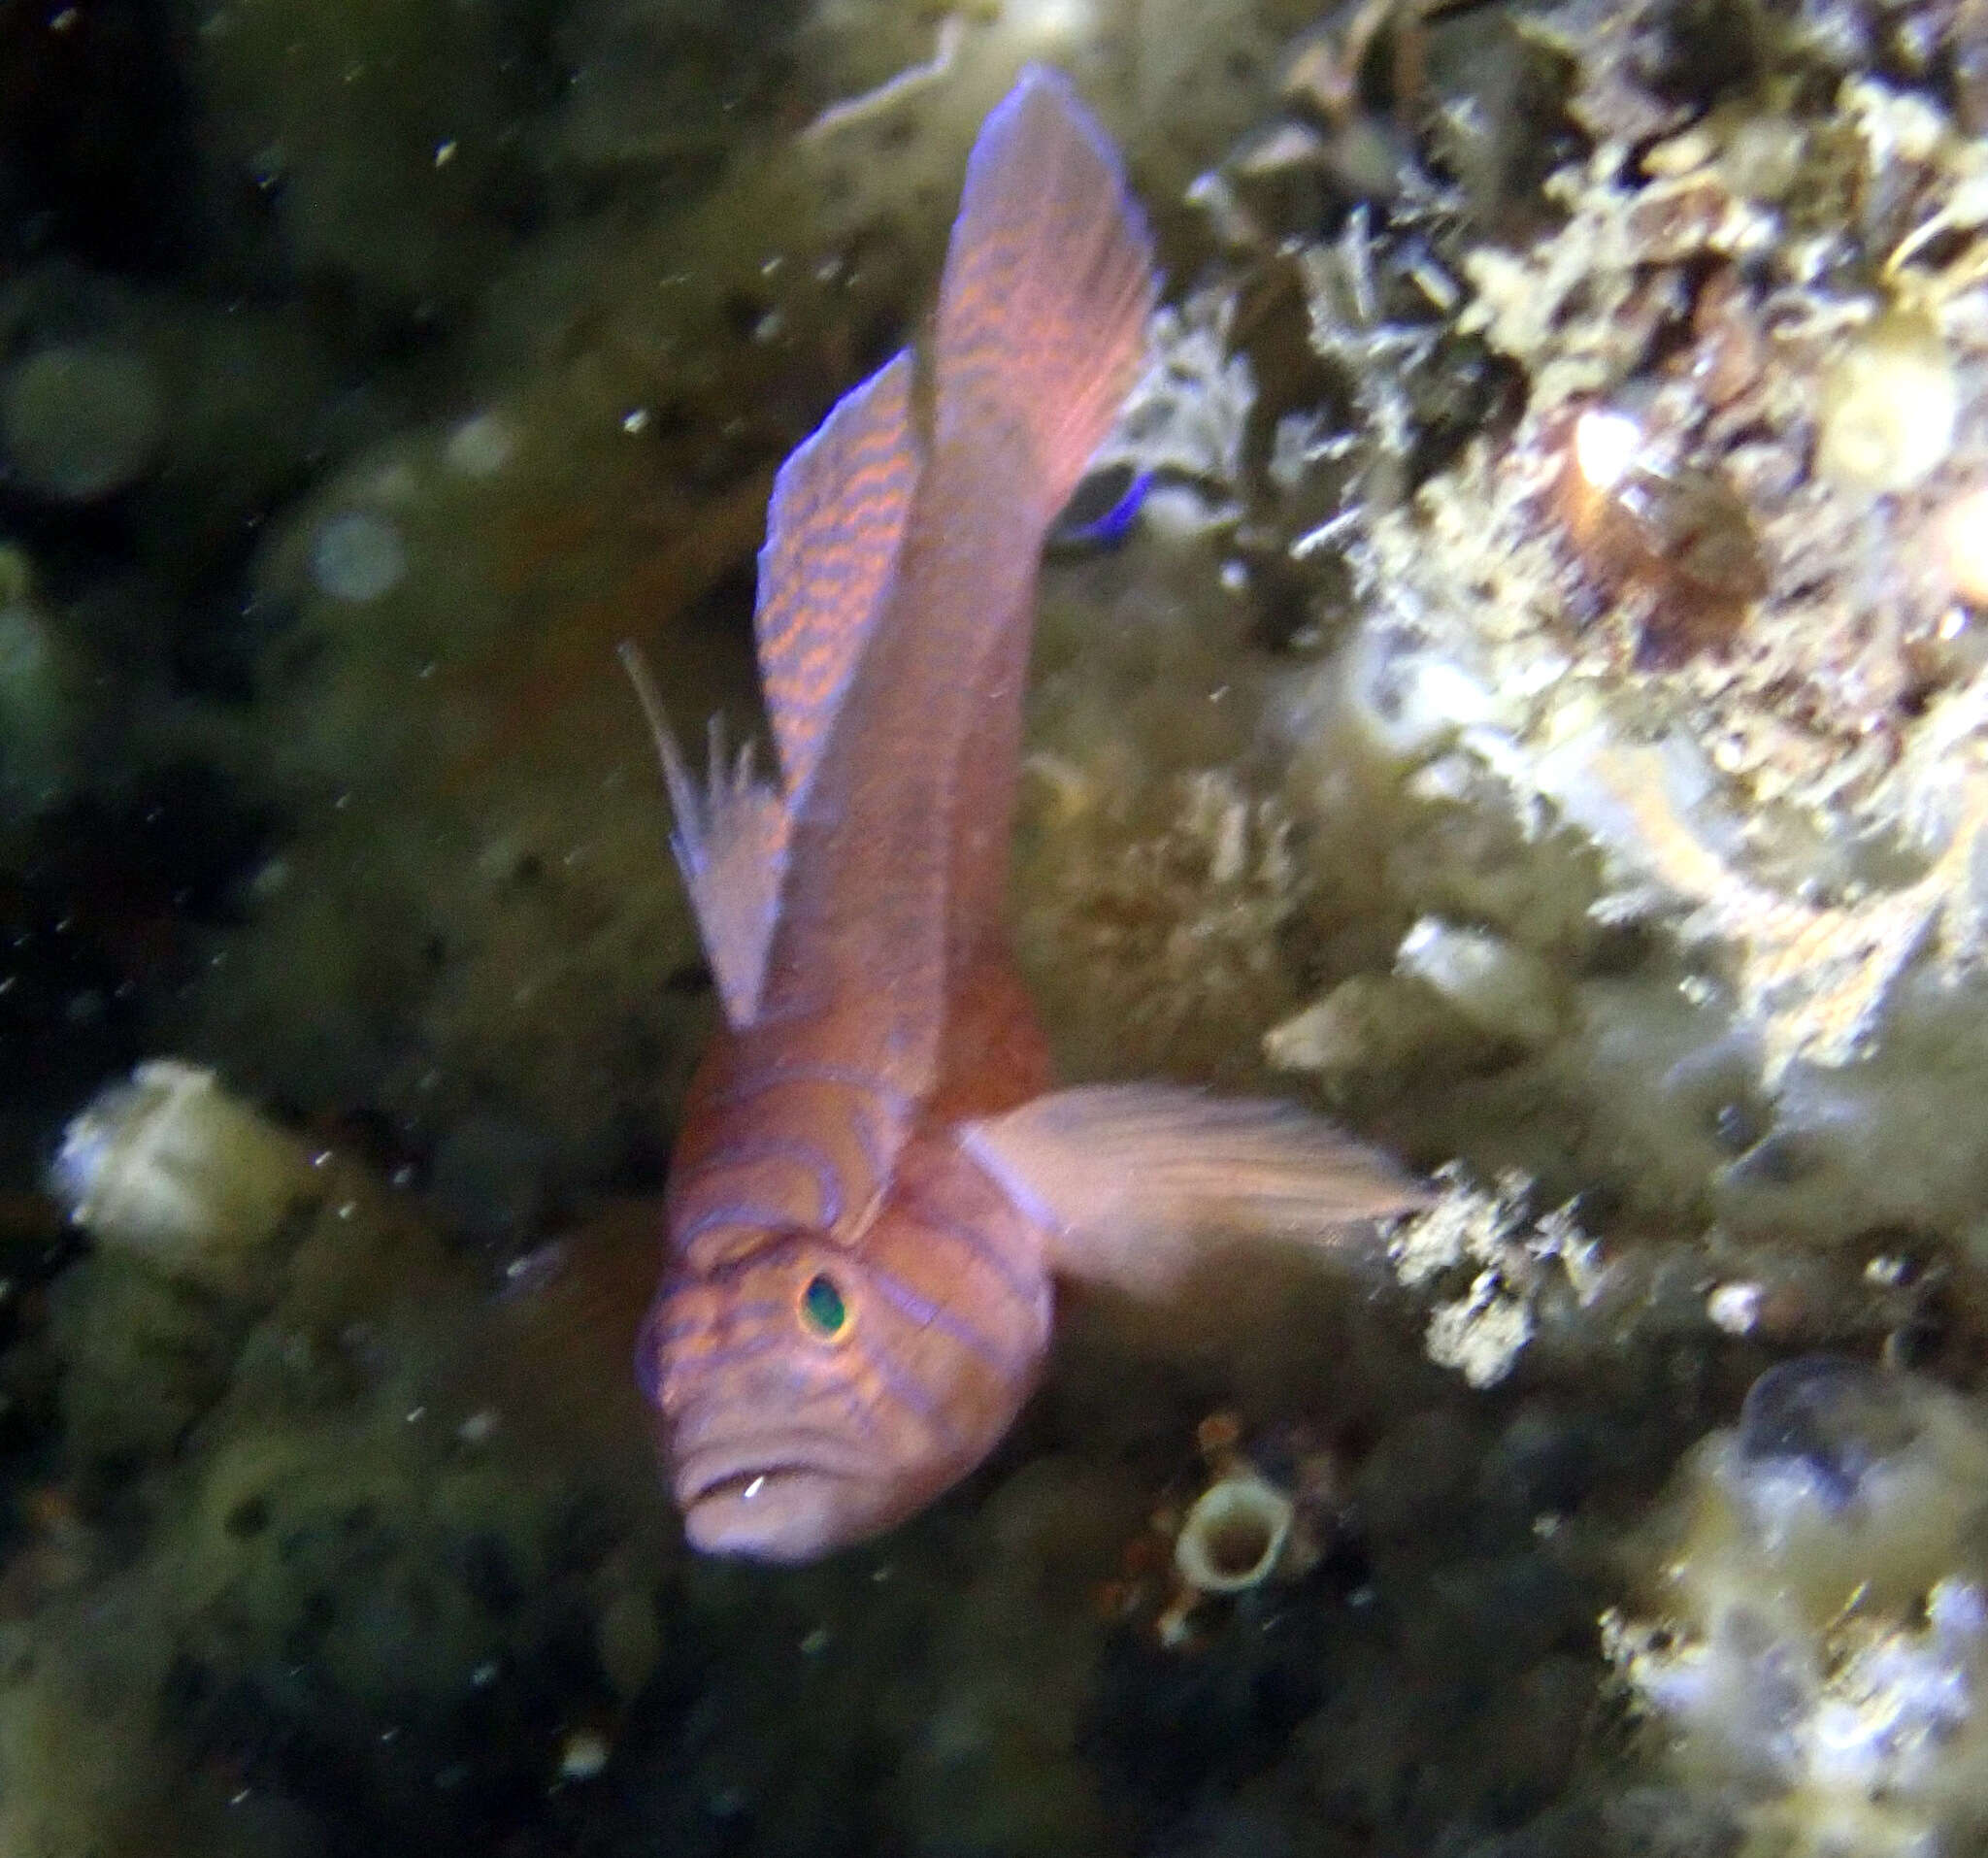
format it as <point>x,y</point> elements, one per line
<point>876,1184</point>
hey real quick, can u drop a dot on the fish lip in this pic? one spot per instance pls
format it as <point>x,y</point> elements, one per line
<point>744,1481</point>
<point>776,1505</point>
<point>712,1465</point>
<point>802,1513</point>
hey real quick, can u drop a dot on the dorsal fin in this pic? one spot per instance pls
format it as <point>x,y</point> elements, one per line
<point>833,529</point>
<point>730,839</point>
<point>900,841</point>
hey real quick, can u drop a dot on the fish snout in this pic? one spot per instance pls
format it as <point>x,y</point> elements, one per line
<point>689,1331</point>
<point>674,1385</point>
<point>704,1370</point>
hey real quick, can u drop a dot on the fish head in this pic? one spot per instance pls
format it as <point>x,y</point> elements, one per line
<point>811,1394</point>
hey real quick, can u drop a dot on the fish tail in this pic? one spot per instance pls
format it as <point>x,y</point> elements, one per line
<point>1049,283</point>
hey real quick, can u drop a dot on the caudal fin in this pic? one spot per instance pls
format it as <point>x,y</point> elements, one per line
<point>1048,281</point>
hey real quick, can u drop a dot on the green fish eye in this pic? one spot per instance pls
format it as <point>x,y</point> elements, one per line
<point>822,1307</point>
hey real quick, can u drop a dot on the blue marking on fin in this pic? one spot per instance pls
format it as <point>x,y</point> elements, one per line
<point>1082,527</point>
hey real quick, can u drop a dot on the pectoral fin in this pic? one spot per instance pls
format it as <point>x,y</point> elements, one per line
<point>1134,1182</point>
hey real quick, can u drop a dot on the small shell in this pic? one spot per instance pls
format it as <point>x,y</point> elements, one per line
<point>171,1167</point>
<point>1234,1536</point>
<point>1678,535</point>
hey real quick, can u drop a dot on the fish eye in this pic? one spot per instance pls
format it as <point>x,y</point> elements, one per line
<point>823,1310</point>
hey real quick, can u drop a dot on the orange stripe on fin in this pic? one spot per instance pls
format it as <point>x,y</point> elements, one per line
<point>1049,283</point>
<point>833,531</point>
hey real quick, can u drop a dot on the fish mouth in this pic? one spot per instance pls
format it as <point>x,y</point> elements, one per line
<point>787,1514</point>
<point>743,1483</point>
<point>702,1461</point>
<point>775,1499</point>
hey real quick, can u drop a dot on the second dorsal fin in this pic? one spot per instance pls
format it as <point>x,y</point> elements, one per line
<point>832,536</point>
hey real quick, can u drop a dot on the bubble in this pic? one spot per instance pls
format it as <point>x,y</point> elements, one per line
<point>358,556</point>
<point>80,420</point>
<point>1835,1416</point>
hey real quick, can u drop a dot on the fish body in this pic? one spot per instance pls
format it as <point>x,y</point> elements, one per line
<point>875,1185</point>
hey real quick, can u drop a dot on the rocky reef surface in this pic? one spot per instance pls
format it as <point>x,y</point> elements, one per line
<point>1539,712</point>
